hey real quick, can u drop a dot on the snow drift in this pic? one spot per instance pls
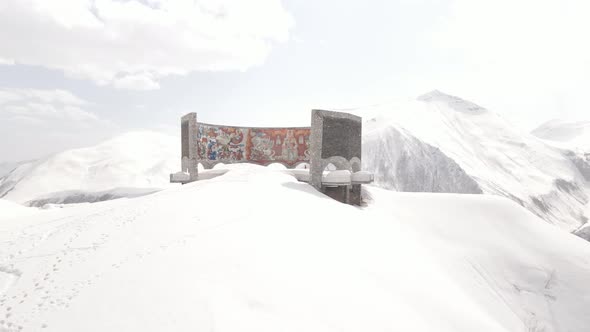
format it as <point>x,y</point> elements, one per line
<point>254,250</point>
<point>124,166</point>
<point>10,209</point>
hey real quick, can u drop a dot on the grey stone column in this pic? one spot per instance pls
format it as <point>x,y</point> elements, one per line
<point>315,145</point>
<point>355,197</point>
<point>336,138</point>
<point>189,145</point>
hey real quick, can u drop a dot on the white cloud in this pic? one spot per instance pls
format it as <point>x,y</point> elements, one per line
<point>133,43</point>
<point>48,104</point>
<point>56,96</point>
<point>37,122</point>
<point>142,81</point>
<point>530,51</point>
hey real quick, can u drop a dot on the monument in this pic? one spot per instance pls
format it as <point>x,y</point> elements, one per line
<point>334,138</point>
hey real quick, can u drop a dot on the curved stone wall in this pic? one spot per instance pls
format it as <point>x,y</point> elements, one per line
<point>333,138</point>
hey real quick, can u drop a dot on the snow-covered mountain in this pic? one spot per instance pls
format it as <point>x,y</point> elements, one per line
<point>436,143</point>
<point>242,252</point>
<point>442,143</point>
<point>255,250</point>
<point>128,165</point>
<point>574,139</point>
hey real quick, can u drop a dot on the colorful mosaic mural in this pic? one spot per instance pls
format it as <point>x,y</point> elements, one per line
<point>259,145</point>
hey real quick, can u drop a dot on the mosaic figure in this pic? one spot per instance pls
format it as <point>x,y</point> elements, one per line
<point>290,147</point>
<point>221,143</point>
<point>262,146</point>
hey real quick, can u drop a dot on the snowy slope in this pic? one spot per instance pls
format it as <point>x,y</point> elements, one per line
<point>133,162</point>
<point>570,135</point>
<point>7,167</point>
<point>574,139</point>
<point>402,162</point>
<point>242,252</point>
<point>442,143</point>
<point>9,210</point>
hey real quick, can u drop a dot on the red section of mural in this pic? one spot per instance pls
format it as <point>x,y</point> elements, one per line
<point>288,146</point>
<point>257,145</point>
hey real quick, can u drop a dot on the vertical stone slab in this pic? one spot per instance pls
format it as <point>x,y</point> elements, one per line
<point>341,136</point>
<point>188,134</point>
<point>315,146</point>
<point>336,138</point>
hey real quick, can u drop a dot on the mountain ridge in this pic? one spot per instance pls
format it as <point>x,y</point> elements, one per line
<point>141,159</point>
<point>435,143</point>
<point>500,158</point>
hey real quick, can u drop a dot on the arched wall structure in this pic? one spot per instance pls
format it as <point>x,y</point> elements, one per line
<point>334,137</point>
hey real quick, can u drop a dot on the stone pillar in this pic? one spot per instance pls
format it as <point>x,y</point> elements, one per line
<point>189,145</point>
<point>335,138</point>
<point>315,145</point>
<point>355,197</point>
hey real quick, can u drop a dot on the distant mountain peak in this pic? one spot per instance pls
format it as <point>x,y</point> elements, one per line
<point>455,103</point>
<point>432,94</point>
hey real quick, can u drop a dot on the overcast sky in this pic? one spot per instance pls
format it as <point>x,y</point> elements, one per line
<point>74,72</point>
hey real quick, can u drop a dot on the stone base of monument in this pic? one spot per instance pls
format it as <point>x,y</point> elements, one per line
<point>346,194</point>
<point>335,178</point>
<point>341,185</point>
<point>180,177</point>
<point>338,193</point>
